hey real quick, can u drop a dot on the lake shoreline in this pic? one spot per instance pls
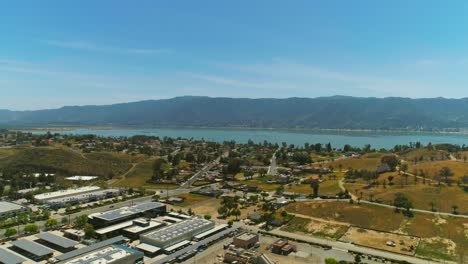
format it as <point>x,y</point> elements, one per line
<point>298,137</point>
<point>317,130</point>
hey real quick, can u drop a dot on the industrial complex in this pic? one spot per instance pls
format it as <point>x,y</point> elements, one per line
<point>140,233</point>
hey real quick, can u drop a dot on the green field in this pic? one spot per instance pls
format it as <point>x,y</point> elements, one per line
<point>191,199</point>
<point>262,183</point>
<point>327,187</point>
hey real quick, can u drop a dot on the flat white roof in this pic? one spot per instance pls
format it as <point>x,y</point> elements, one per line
<point>23,191</point>
<point>81,178</point>
<point>6,207</point>
<point>105,255</point>
<point>211,231</point>
<point>180,215</point>
<point>83,196</point>
<point>138,229</point>
<point>61,193</point>
<point>148,248</point>
<point>178,229</point>
<point>111,228</point>
<point>178,245</point>
<point>127,211</point>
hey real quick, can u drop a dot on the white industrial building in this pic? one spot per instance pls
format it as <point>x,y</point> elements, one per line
<point>177,233</point>
<point>81,178</point>
<point>9,209</point>
<point>64,193</point>
<point>111,254</point>
<point>85,197</point>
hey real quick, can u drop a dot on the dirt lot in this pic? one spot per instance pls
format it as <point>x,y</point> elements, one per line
<point>366,237</point>
<point>316,227</point>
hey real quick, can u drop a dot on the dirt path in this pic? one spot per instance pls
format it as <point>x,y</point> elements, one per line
<point>124,176</point>
<point>320,219</point>
<point>341,185</point>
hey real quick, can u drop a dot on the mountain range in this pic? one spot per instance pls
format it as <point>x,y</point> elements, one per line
<point>335,112</point>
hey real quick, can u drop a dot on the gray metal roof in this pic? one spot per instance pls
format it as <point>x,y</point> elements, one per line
<point>6,257</point>
<point>90,248</point>
<point>57,240</point>
<point>128,211</point>
<point>179,229</point>
<point>32,247</point>
<point>6,207</point>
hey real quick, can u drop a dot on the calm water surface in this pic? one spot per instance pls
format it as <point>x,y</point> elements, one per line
<point>297,137</point>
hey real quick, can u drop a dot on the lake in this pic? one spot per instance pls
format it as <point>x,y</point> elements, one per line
<point>381,139</point>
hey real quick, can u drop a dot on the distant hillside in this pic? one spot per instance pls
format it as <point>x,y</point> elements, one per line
<point>66,162</point>
<point>337,112</point>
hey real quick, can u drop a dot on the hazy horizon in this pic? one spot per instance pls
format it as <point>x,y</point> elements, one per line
<point>252,98</point>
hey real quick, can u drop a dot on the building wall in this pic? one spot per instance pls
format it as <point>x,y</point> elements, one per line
<point>245,243</point>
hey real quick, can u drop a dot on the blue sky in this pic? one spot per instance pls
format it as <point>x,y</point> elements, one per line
<point>56,53</point>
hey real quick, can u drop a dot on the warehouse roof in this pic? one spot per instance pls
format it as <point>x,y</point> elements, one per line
<point>82,196</point>
<point>148,248</point>
<point>81,178</point>
<point>8,257</point>
<point>62,193</point>
<point>128,211</point>
<point>57,240</point>
<point>211,231</point>
<point>32,247</point>
<point>106,254</point>
<point>175,230</point>
<point>112,228</point>
<point>6,207</point>
<point>90,248</point>
<point>138,229</point>
<point>177,246</point>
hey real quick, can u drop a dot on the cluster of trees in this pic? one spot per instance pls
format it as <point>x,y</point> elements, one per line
<point>229,207</point>
<point>391,161</point>
<point>162,171</point>
<point>400,201</point>
<point>29,221</point>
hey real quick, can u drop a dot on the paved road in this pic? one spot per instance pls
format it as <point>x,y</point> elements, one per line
<point>273,169</point>
<point>418,210</point>
<point>165,193</point>
<point>351,247</point>
<point>200,173</point>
